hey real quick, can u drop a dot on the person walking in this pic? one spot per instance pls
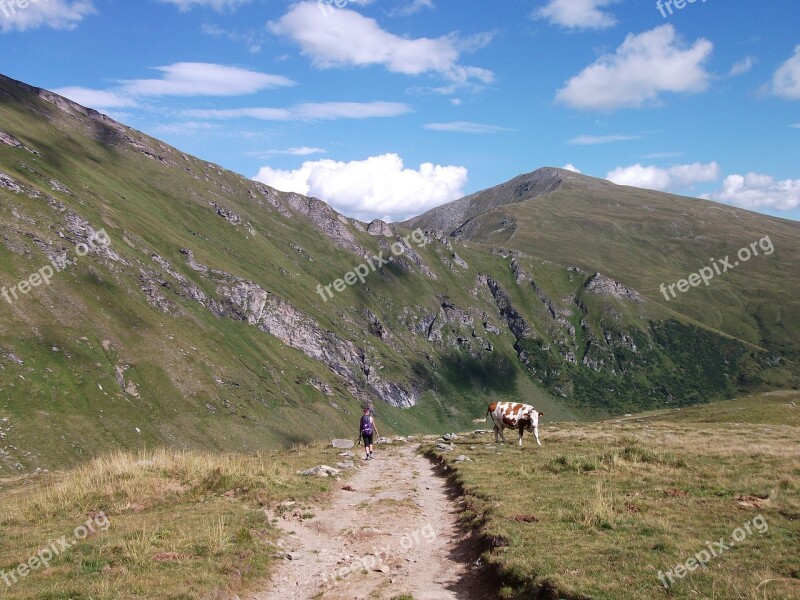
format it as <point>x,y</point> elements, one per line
<point>368,432</point>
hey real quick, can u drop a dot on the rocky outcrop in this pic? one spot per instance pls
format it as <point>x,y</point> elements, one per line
<point>378,227</point>
<point>512,318</point>
<point>230,216</point>
<point>460,261</point>
<point>605,286</point>
<point>326,220</point>
<point>271,196</point>
<point>376,328</point>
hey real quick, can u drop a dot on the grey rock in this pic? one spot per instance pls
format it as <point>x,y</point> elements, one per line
<point>460,261</point>
<point>605,286</point>
<point>378,227</point>
<point>343,444</point>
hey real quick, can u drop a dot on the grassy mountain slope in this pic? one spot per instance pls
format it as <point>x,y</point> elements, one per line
<point>199,325</point>
<point>132,346</point>
<point>643,239</point>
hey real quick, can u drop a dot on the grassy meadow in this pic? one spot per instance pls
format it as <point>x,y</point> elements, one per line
<point>600,509</point>
<point>180,525</point>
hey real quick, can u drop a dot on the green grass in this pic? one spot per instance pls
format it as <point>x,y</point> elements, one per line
<point>217,384</point>
<point>599,509</point>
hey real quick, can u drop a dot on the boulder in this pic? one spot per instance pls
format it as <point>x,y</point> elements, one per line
<point>343,444</point>
<point>320,471</point>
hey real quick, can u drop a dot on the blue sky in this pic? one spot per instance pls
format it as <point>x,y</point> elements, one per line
<point>386,108</point>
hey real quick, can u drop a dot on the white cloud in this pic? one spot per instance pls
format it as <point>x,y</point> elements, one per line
<point>795,125</point>
<point>571,167</point>
<point>300,151</point>
<point>344,38</point>
<point>56,14</point>
<point>313,111</point>
<point>218,5</point>
<point>593,140</point>
<point>743,66</point>
<point>578,14</point>
<point>95,98</point>
<point>204,79</point>
<point>786,80</point>
<point>756,192</point>
<point>661,179</point>
<point>465,127</point>
<point>643,67</point>
<point>180,79</point>
<point>377,186</point>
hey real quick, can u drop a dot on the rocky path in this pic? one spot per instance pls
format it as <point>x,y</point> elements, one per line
<point>395,533</point>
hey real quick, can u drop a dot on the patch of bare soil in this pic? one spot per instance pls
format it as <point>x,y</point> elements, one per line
<point>395,532</point>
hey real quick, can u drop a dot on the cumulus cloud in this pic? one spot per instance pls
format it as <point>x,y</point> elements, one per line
<point>312,111</point>
<point>218,5</point>
<point>375,187</point>
<point>578,14</point>
<point>756,192</point>
<point>661,179</point>
<point>465,127</point>
<point>571,167</point>
<point>593,140</point>
<point>56,14</point>
<point>786,80</point>
<point>642,68</point>
<point>345,38</point>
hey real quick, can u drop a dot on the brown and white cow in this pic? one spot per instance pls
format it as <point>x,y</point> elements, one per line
<point>514,416</point>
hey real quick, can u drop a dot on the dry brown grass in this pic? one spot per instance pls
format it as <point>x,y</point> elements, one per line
<point>182,524</point>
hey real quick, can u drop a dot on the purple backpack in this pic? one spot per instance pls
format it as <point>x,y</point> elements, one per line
<point>366,425</point>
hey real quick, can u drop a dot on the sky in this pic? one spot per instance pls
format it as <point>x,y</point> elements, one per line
<point>387,108</point>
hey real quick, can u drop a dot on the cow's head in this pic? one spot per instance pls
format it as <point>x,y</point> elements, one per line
<point>531,419</point>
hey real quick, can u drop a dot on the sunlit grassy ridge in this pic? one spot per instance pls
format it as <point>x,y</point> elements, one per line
<point>600,509</point>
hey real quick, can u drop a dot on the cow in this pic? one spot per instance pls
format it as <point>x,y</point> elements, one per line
<point>514,416</point>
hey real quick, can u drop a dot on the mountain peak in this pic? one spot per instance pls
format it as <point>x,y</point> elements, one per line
<point>524,187</point>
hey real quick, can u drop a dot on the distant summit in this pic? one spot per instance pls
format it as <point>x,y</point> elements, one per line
<point>452,215</point>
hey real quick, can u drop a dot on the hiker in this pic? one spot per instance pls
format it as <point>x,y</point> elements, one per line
<point>368,431</point>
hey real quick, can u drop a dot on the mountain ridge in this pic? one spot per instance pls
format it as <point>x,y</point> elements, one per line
<point>200,324</point>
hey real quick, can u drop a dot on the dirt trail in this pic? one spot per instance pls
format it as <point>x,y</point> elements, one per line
<point>396,533</point>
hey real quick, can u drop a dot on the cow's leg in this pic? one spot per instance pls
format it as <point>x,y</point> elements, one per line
<point>536,433</point>
<point>502,437</point>
<point>496,429</point>
<point>520,436</point>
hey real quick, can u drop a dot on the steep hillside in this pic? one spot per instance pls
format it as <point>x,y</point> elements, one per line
<point>644,239</point>
<point>151,298</point>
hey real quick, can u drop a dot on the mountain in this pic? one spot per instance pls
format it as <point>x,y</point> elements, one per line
<point>151,298</point>
<point>645,239</point>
